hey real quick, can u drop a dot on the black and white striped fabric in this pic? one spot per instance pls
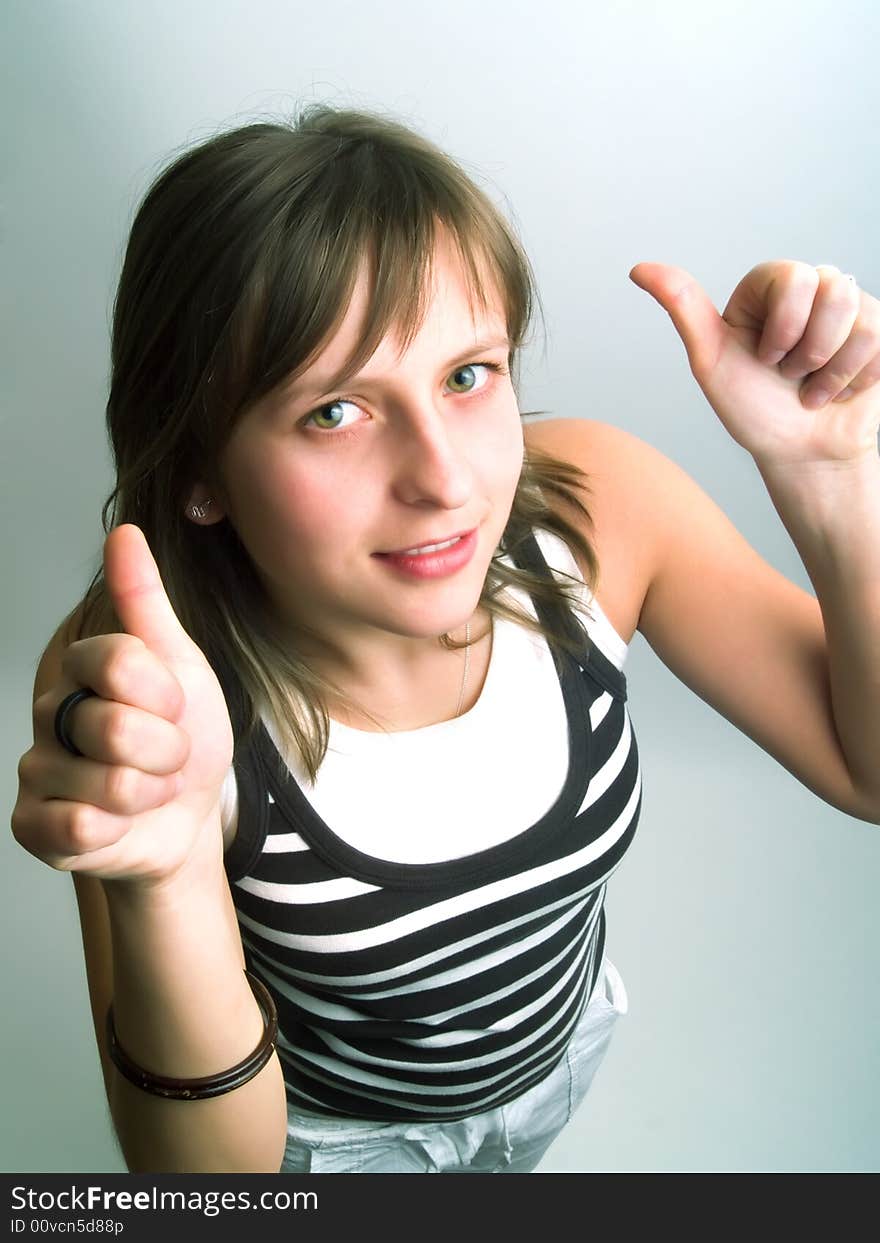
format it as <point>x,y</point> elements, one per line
<point>435,991</point>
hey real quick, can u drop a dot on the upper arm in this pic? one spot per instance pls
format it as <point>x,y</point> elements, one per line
<point>743,637</point>
<point>91,901</point>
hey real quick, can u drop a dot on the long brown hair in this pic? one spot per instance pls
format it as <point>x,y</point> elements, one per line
<point>241,260</point>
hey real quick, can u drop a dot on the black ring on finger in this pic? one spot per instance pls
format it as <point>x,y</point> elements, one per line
<point>63,711</point>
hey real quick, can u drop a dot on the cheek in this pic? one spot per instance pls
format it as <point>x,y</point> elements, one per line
<point>312,511</point>
<point>267,502</point>
<point>506,458</point>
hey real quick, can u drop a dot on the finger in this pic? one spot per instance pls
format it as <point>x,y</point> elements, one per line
<point>690,308</point>
<point>789,294</point>
<point>64,833</point>
<point>56,829</point>
<point>139,597</point>
<point>120,667</point>
<point>114,733</point>
<point>866,378</point>
<point>833,313</point>
<point>855,367</point>
<point>117,789</point>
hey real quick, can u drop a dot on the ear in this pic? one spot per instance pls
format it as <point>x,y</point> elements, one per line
<point>202,508</point>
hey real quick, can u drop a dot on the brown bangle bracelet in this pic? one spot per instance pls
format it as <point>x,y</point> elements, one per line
<point>211,1085</point>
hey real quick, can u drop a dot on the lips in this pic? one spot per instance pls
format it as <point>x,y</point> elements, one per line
<point>426,543</point>
<point>426,566</point>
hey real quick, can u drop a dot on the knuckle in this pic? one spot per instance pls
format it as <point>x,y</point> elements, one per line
<point>834,378</point>
<point>25,767</point>
<point>122,670</point>
<point>106,662</point>
<point>788,330</point>
<point>184,746</point>
<point>840,295</point>
<point>116,732</point>
<point>805,273</point>
<point>25,827</point>
<point>865,336</point>
<point>870,374</point>
<point>82,828</point>
<point>19,824</point>
<point>69,655</point>
<point>44,709</point>
<point>121,788</point>
<point>32,770</point>
<point>78,651</point>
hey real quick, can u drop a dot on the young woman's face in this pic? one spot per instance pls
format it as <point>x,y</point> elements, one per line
<point>416,449</point>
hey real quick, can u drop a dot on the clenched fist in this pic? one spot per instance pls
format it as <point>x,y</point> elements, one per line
<point>142,802</point>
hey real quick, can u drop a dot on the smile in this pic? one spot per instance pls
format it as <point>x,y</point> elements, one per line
<point>428,561</point>
<point>417,552</point>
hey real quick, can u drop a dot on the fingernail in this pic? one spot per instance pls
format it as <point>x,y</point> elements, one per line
<point>774,357</point>
<point>816,399</point>
<point>847,392</point>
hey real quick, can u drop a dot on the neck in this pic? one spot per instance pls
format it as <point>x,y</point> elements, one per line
<point>443,686</point>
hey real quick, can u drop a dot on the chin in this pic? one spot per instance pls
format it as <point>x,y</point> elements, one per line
<point>433,624</point>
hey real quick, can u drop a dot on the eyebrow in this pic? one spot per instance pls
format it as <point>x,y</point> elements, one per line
<point>302,388</point>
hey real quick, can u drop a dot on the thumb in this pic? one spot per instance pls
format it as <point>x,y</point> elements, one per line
<point>138,594</point>
<point>689,307</point>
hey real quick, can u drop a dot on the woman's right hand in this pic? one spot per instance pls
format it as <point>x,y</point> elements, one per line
<point>142,802</point>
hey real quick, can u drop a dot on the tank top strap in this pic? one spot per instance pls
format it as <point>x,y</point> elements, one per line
<point>250,775</point>
<point>593,662</point>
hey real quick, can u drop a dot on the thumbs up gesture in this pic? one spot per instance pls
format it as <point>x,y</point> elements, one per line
<point>791,368</point>
<point>142,801</point>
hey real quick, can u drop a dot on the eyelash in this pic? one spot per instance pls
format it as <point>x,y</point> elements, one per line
<point>345,432</point>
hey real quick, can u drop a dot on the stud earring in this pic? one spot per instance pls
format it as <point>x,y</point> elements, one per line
<point>199,511</point>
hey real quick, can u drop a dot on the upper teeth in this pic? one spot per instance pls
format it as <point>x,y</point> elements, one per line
<point>411,552</point>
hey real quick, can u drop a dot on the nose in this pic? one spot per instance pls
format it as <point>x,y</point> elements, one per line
<point>431,468</point>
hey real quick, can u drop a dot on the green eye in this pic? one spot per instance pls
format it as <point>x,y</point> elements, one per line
<point>324,412</point>
<point>467,370</point>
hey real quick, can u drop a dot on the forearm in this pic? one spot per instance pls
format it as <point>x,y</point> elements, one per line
<point>833,516</point>
<point>183,1008</point>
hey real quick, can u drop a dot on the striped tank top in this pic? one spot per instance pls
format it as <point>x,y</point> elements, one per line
<point>431,991</point>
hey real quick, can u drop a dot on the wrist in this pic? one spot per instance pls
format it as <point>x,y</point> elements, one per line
<point>197,875</point>
<point>832,513</point>
<point>830,472</point>
<point>821,495</point>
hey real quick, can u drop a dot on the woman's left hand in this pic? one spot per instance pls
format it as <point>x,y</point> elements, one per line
<point>827,333</point>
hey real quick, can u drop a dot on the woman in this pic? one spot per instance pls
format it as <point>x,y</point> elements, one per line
<point>351,716</point>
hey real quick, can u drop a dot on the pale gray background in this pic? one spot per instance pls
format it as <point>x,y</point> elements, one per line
<point>712,136</point>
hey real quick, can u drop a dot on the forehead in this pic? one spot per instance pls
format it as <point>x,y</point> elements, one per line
<point>450,306</point>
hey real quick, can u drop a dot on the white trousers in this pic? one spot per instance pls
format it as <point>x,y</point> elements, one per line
<point>511,1139</point>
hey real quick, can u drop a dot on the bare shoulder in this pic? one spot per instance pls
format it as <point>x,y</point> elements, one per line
<point>612,457</point>
<point>624,532</point>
